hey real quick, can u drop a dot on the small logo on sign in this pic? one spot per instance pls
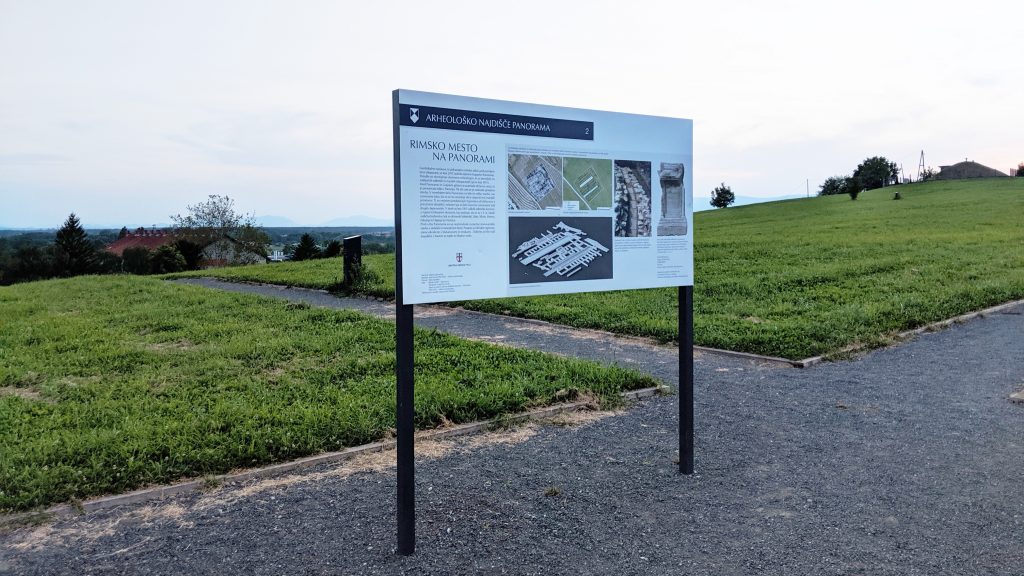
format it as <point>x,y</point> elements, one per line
<point>414,114</point>
<point>458,256</point>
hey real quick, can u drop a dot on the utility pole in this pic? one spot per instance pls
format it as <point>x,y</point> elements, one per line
<point>808,183</point>
<point>920,167</point>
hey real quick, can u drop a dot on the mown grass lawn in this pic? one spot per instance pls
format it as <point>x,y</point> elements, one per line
<point>323,274</point>
<point>112,383</point>
<point>802,277</point>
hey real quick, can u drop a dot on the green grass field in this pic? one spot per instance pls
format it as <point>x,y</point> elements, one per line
<point>801,277</point>
<point>325,274</point>
<point>112,383</point>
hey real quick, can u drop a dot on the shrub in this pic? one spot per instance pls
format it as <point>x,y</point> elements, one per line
<point>166,259</point>
<point>135,260</point>
<point>722,196</point>
<point>333,249</point>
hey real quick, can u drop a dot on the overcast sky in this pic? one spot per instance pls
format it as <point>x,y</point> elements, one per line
<point>124,112</point>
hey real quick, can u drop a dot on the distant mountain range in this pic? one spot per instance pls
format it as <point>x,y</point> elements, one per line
<point>359,221</point>
<point>275,222</point>
<point>271,221</point>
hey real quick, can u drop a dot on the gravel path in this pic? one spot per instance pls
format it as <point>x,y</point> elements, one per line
<point>909,460</point>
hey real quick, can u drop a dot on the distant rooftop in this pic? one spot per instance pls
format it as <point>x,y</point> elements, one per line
<point>140,238</point>
<point>967,169</point>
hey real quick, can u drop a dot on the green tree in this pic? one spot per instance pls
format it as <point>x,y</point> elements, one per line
<point>853,188</point>
<point>107,263</point>
<point>135,260</point>
<point>75,254</point>
<point>1020,169</point>
<point>876,172</point>
<point>192,252</point>
<point>251,239</point>
<point>32,263</point>
<point>332,249</point>
<point>307,249</point>
<point>722,196</point>
<point>927,174</point>
<point>123,232</point>
<point>166,259</point>
<point>838,185</point>
<point>216,218</point>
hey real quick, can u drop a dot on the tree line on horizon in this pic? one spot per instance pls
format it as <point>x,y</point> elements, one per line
<point>72,252</point>
<point>874,172</point>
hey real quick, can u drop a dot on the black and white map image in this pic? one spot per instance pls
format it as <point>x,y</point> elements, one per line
<point>555,249</point>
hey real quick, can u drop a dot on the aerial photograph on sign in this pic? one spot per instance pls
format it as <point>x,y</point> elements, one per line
<point>534,182</point>
<point>587,183</point>
<point>632,198</point>
<point>545,249</point>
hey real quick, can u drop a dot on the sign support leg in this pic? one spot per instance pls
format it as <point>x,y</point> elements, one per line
<point>404,411</point>
<point>686,379</point>
<point>404,385</point>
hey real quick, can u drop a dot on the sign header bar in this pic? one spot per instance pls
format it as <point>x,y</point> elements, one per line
<point>475,121</point>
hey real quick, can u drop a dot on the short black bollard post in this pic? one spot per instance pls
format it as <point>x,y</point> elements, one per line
<point>352,250</point>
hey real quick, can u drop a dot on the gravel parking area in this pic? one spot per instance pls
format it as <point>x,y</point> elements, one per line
<point>909,460</point>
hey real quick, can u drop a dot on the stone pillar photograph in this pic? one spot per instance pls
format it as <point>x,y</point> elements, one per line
<point>673,208</point>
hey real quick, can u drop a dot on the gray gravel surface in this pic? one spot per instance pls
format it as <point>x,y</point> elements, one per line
<point>909,460</point>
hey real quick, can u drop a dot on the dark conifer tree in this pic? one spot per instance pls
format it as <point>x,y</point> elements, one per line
<point>333,249</point>
<point>75,254</point>
<point>307,249</point>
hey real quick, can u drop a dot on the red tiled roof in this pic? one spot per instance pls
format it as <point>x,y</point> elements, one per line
<point>148,239</point>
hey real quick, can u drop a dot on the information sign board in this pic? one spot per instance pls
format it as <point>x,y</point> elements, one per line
<point>509,199</point>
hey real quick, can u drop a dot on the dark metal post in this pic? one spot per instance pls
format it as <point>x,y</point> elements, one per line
<point>404,411</point>
<point>404,385</point>
<point>352,251</point>
<point>686,379</point>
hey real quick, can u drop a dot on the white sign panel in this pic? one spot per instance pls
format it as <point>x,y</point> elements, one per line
<point>509,199</point>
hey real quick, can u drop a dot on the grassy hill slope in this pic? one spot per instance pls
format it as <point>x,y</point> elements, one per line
<point>796,278</point>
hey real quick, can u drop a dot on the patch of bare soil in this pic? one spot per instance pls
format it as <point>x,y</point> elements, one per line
<point>176,346</point>
<point>49,535</point>
<point>26,393</point>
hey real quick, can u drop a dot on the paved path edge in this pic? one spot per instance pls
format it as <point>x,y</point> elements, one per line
<point>907,334</point>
